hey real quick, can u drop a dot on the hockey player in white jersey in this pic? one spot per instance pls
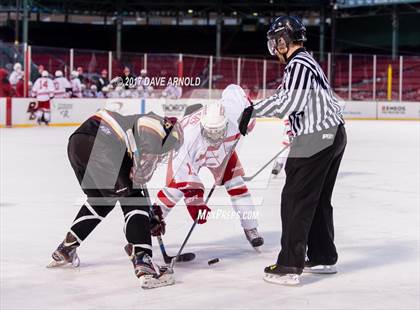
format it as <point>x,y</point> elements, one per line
<point>76,85</point>
<point>210,134</point>
<point>16,75</point>
<point>43,91</point>
<point>62,85</point>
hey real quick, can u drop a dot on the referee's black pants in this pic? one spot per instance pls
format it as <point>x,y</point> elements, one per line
<point>306,210</point>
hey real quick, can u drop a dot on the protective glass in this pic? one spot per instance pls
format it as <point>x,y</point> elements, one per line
<point>272,45</point>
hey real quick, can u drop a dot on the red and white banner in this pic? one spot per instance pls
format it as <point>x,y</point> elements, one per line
<point>71,112</point>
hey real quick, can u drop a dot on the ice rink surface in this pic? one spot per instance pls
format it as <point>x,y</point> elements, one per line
<point>376,204</point>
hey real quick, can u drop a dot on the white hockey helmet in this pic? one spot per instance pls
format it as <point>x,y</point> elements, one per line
<point>74,74</point>
<point>58,73</point>
<point>17,67</point>
<point>44,73</point>
<point>214,123</point>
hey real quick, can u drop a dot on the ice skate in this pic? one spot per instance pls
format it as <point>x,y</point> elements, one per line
<point>319,269</point>
<point>281,275</point>
<point>277,168</point>
<point>150,274</point>
<point>66,253</point>
<point>254,238</point>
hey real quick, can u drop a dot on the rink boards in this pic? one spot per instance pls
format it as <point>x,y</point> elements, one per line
<point>71,112</point>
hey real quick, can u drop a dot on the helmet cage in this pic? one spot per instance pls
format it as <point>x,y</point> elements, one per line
<point>214,136</point>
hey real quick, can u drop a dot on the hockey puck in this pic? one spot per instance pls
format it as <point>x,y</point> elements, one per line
<point>213,261</point>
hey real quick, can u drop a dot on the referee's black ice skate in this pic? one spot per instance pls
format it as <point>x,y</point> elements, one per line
<point>276,168</point>
<point>254,238</point>
<point>311,267</point>
<point>66,253</point>
<point>278,274</point>
<point>150,274</point>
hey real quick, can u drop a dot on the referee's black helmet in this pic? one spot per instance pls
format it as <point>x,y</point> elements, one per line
<point>290,28</point>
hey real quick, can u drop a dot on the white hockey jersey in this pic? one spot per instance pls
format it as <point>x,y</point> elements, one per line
<point>76,88</point>
<point>61,84</point>
<point>43,89</point>
<point>195,153</point>
<point>15,76</point>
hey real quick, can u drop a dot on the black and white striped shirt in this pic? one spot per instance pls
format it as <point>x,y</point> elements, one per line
<point>304,96</point>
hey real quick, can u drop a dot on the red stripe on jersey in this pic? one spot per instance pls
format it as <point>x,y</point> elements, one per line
<point>186,185</point>
<point>169,171</point>
<point>165,200</point>
<point>238,191</point>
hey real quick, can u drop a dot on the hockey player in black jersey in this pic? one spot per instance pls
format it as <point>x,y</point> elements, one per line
<point>113,157</point>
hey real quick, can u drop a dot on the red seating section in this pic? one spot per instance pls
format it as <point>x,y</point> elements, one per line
<point>225,70</point>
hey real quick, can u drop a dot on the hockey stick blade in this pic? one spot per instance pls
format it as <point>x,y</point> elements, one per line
<point>184,257</point>
<point>250,178</point>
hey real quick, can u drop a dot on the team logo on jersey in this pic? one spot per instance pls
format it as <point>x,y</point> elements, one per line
<point>105,130</point>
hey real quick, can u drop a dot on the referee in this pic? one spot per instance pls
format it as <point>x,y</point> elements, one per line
<point>306,98</point>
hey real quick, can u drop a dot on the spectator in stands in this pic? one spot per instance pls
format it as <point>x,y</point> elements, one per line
<point>103,80</point>
<point>115,92</point>
<point>143,74</point>
<point>16,75</point>
<point>143,89</point>
<point>81,75</point>
<point>76,85</point>
<point>39,74</point>
<point>6,89</point>
<point>172,91</point>
<point>95,92</point>
<point>129,80</point>
<point>90,92</point>
<point>253,93</point>
<point>62,86</point>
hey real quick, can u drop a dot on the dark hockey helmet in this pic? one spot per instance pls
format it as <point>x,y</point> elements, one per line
<point>290,28</point>
<point>159,135</point>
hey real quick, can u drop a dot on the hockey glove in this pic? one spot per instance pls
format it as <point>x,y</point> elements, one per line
<point>157,224</point>
<point>245,119</point>
<point>200,211</point>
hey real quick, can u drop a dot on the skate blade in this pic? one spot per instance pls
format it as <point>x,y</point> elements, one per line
<point>258,249</point>
<point>148,282</point>
<point>320,270</point>
<point>288,279</point>
<point>55,264</point>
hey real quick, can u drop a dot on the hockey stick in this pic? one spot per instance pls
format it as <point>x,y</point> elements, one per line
<point>196,220</point>
<point>178,255</point>
<point>247,179</point>
<point>186,257</point>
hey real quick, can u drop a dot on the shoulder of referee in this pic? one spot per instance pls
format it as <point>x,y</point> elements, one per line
<point>305,59</point>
